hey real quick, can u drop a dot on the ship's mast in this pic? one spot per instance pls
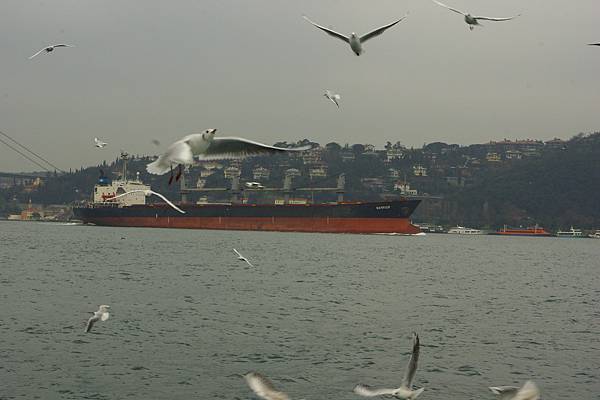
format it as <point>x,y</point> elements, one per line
<point>124,157</point>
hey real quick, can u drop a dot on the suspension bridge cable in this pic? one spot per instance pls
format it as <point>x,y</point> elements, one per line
<point>25,155</point>
<point>34,153</point>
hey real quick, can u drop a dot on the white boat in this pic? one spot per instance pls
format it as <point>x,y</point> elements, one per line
<point>571,233</point>
<point>461,230</point>
<point>595,235</point>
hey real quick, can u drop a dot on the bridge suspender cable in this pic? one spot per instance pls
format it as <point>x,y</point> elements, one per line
<point>25,155</point>
<point>32,152</point>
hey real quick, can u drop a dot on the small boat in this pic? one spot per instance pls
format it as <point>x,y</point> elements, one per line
<point>595,235</point>
<point>531,231</point>
<point>571,233</point>
<point>461,230</point>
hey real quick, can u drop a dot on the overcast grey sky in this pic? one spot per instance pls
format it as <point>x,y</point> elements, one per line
<point>156,69</point>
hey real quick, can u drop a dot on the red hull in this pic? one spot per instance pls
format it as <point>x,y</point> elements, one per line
<point>280,224</point>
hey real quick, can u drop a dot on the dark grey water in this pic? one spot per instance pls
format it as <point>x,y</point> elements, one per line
<point>318,313</point>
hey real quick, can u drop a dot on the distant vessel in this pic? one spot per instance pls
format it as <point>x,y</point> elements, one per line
<point>595,235</point>
<point>429,228</point>
<point>461,230</point>
<point>571,233</point>
<point>531,231</point>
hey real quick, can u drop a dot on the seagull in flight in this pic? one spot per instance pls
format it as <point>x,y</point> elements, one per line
<point>242,258</point>
<point>354,40</point>
<point>529,391</point>
<point>471,19</point>
<point>100,315</point>
<point>334,97</point>
<point>148,192</point>
<point>263,387</point>
<point>99,143</point>
<point>51,48</point>
<point>405,391</point>
<point>206,147</point>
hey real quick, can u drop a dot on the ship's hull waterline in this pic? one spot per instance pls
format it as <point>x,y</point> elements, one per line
<point>376,217</point>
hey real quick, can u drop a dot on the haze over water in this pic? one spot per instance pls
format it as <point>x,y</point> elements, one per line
<point>318,313</point>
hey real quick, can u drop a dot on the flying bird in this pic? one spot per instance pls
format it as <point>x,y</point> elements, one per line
<point>148,192</point>
<point>242,258</point>
<point>529,391</point>
<point>405,391</point>
<point>263,387</point>
<point>155,142</point>
<point>471,19</point>
<point>206,147</point>
<point>51,48</point>
<point>334,97</point>
<point>99,143</point>
<point>354,40</point>
<point>100,315</point>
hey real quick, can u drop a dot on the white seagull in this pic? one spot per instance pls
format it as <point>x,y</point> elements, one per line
<point>471,19</point>
<point>405,391</point>
<point>100,315</point>
<point>354,40</point>
<point>334,97</point>
<point>99,143</point>
<point>242,258</point>
<point>148,192</point>
<point>263,387</point>
<point>529,391</point>
<point>206,147</point>
<point>51,48</point>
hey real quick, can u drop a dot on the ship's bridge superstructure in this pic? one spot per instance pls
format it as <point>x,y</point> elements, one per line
<point>106,189</point>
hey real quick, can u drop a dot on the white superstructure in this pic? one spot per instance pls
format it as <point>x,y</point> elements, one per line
<point>106,189</point>
<point>461,230</point>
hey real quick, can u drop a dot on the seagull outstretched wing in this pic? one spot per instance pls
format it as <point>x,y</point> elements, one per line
<point>497,19</point>
<point>235,147</point>
<point>263,387</point>
<point>368,391</point>
<point>328,31</point>
<point>449,8</point>
<point>147,193</point>
<point>91,322</point>
<point>411,368</point>
<point>378,31</point>
<point>37,53</point>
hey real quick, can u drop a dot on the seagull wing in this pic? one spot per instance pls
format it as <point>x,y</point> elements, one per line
<point>496,19</point>
<point>91,322</point>
<point>529,391</point>
<point>593,44</point>
<point>368,391</point>
<point>235,147</point>
<point>329,31</point>
<point>248,262</point>
<point>37,53</point>
<point>237,252</point>
<point>263,387</point>
<point>167,201</point>
<point>504,392</point>
<point>449,8</point>
<point>62,45</point>
<point>378,31</point>
<point>411,368</point>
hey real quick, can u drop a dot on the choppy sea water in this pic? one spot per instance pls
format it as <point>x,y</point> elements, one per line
<point>318,313</point>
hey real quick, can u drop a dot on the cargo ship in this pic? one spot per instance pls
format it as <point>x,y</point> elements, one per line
<point>531,231</point>
<point>111,207</point>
